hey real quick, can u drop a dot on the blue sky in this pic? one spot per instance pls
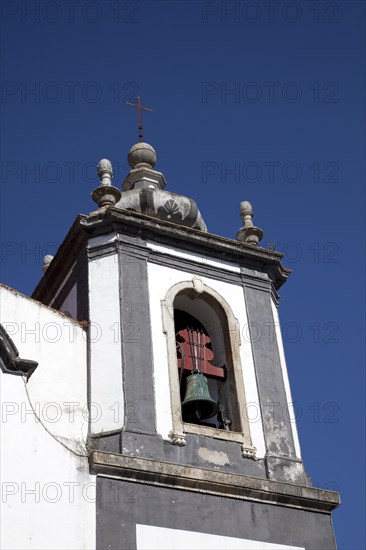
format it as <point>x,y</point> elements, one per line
<point>258,101</point>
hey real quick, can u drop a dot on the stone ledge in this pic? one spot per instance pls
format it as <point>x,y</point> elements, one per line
<point>149,228</point>
<point>134,225</point>
<point>204,480</point>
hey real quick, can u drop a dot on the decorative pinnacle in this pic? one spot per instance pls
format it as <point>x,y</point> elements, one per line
<point>249,234</point>
<point>246,213</point>
<point>105,195</point>
<point>105,172</point>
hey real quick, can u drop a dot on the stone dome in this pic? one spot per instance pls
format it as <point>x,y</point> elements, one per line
<point>144,192</point>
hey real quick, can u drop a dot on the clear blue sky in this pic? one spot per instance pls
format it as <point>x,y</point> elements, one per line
<point>259,101</point>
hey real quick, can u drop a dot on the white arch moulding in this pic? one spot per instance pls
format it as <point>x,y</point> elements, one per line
<point>231,332</point>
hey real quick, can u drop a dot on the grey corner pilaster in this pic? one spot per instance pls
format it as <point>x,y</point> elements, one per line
<point>136,343</point>
<point>281,460</point>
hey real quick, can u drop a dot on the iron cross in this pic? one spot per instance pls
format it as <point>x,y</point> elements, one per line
<point>139,108</point>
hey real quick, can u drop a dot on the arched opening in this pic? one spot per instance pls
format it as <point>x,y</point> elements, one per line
<point>208,393</point>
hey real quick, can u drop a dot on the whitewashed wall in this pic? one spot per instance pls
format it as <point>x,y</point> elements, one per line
<point>47,493</point>
<point>106,387</point>
<point>149,537</point>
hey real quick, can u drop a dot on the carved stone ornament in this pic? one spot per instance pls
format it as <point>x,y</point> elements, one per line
<point>248,453</point>
<point>144,192</point>
<point>105,195</point>
<point>249,234</point>
<point>198,284</point>
<point>177,439</point>
<point>10,362</point>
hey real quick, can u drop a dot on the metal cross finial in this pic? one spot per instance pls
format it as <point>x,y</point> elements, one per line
<point>139,108</point>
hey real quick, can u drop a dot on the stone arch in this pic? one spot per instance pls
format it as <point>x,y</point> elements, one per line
<point>196,291</point>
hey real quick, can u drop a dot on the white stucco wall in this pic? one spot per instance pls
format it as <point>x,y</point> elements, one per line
<point>160,279</point>
<point>106,388</point>
<point>47,493</point>
<point>149,537</point>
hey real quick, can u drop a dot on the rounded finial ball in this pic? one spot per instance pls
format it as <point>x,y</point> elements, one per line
<point>246,207</point>
<point>104,165</point>
<point>142,153</point>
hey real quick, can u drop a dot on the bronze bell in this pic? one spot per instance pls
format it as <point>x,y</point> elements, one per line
<point>198,404</point>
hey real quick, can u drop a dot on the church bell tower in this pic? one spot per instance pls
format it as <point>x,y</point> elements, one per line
<point>192,438</point>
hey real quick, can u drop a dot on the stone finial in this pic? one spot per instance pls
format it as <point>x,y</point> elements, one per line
<point>105,195</point>
<point>105,172</point>
<point>249,234</point>
<point>142,159</point>
<point>142,155</point>
<point>46,262</point>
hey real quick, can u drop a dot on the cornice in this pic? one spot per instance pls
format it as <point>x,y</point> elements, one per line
<point>204,480</point>
<point>144,227</point>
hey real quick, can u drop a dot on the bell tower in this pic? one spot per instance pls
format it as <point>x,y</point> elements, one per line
<point>192,437</point>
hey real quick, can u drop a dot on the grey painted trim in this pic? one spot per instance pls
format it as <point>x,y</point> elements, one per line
<point>106,442</point>
<point>271,390</point>
<point>253,279</point>
<point>131,239</point>
<point>123,504</point>
<point>137,352</point>
<point>145,227</point>
<point>141,227</point>
<point>140,250</point>
<point>258,274</point>
<point>154,447</point>
<point>240,487</point>
<point>136,249</point>
<point>102,250</point>
<point>257,284</point>
<point>286,469</point>
<point>130,247</point>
